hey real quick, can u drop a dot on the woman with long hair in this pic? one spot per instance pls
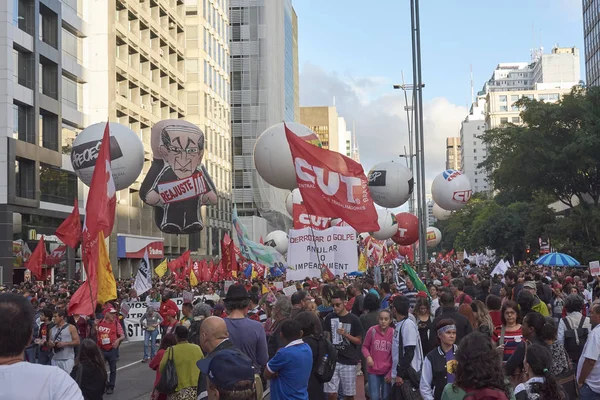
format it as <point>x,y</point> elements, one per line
<point>424,319</point>
<point>478,370</point>
<point>167,341</point>
<point>533,333</point>
<point>309,329</point>
<point>561,367</point>
<point>377,351</point>
<point>483,318</point>
<point>541,385</point>
<point>439,363</point>
<point>435,299</point>
<point>507,336</point>
<point>466,311</point>
<point>89,371</point>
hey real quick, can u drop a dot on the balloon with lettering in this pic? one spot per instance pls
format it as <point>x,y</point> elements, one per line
<point>408,229</point>
<point>439,213</point>
<point>387,225</point>
<point>451,190</point>
<point>293,198</point>
<point>278,240</point>
<point>126,153</point>
<point>177,184</point>
<point>434,237</point>
<point>272,155</point>
<point>390,184</point>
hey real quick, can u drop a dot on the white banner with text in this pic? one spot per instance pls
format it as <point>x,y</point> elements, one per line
<point>310,249</point>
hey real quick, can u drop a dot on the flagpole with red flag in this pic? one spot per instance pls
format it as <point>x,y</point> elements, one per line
<point>69,232</point>
<point>37,259</point>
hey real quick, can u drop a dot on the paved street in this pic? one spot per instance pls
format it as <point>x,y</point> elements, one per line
<point>134,379</point>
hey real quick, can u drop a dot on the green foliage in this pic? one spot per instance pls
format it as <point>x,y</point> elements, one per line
<point>554,155</point>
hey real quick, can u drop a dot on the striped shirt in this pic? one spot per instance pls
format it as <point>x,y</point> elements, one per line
<point>411,295</point>
<point>511,340</point>
<point>257,314</point>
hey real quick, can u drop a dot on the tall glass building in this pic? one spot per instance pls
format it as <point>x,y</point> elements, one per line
<point>591,35</point>
<point>263,49</point>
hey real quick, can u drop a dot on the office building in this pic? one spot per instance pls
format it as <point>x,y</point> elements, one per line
<point>263,45</point>
<point>591,37</point>
<point>41,108</point>
<point>136,69</point>
<point>344,138</point>
<point>431,219</point>
<point>547,77</point>
<point>453,153</point>
<point>207,98</point>
<point>323,121</point>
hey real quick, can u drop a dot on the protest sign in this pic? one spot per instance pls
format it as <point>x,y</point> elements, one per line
<point>290,290</point>
<point>310,249</point>
<point>594,268</point>
<point>278,285</point>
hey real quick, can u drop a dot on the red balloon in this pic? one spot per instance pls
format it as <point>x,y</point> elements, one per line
<point>408,229</point>
<point>404,250</point>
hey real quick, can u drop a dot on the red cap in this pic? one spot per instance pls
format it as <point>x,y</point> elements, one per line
<point>569,279</point>
<point>422,294</point>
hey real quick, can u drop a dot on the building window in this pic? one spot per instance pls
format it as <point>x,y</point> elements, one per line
<point>71,44</point>
<point>25,178</point>
<point>503,108</point>
<point>516,120</point>
<point>502,98</point>
<point>23,127</point>
<point>48,27</point>
<point>475,180</point>
<point>48,79</point>
<point>21,73</point>
<point>48,124</point>
<point>57,185</point>
<point>71,92</point>
<point>474,150</point>
<point>504,120</point>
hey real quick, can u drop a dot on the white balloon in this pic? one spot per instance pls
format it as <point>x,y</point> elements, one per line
<point>364,235</point>
<point>439,213</point>
<point>293,198</point>
<point>387,225</point>
<point>434,237</point>
<point>390,184</point>
<point>278,240</point>
<point>451,190</point>
<point>272,156</point>
<point>126,153</point>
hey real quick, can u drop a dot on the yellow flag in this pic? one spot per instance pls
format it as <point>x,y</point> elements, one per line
<point>107,287</point>
<point>234,274</point>
<point>254,273</point>
<point>265,289</point>
<point>193,279</point>
<point>161,269</point>
<point>362,263</point>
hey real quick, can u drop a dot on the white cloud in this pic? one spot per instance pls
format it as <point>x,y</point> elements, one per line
<point>380,119</point>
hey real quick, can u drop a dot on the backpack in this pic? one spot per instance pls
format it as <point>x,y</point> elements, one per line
<point>326,359</point>
<point>575,339</point>
<point>486,394</point>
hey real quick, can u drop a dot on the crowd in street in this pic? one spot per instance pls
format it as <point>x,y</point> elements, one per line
<point>531,333</point>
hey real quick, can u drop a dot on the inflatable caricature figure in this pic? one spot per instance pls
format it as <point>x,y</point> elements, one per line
<point>177,184</point>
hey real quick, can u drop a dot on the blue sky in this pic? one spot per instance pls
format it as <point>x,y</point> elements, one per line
<point>372,39</point>
<point>355,50</point>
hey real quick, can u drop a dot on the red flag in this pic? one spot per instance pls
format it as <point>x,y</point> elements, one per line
<point>102,200</point>
<point>56,255</point>
<point>261,241</point>
<point>180,262</point>
<point>302,219</point>
<point>37,259</point>
<point>84,300</point>
<point>204,271</point>
<point>332,185</point>
<point>228,259</point>
<point>326,274</point>
<point>69,232</point>
<point>226,239</point>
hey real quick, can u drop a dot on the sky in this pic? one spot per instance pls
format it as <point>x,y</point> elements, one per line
<point>355,51</point>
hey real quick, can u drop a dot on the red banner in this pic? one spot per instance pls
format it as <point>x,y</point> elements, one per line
<point>56,256</point>
<point>302,219</point>
<point>332,185</point>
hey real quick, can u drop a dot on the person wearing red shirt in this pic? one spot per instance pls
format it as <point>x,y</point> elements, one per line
<point>166,305</point>
<point>110,336</point>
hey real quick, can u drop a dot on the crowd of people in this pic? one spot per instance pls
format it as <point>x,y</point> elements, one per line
<point>531,333</point>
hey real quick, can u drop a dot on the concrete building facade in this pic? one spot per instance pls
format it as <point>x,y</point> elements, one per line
<point>453,153</point>
<point>473,149</point>
<point>323,120</point>
<point>263,80</point>
<point>344,138</point>
<point>207,102</point>
<point>591,38</point>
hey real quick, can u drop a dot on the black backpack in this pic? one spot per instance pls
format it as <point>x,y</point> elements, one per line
<point>575,339</point>
<point>326,359</point>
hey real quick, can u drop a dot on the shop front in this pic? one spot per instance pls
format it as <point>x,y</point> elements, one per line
<point>131,249</point>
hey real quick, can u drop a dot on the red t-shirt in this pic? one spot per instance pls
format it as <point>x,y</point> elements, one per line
<point>164,307</point>
<point>108,333</point>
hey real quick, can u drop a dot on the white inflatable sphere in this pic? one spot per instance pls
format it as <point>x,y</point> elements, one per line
<point>363,236</point>
<point>439,213</point>
<point>387,225</point>
<point>390,184</point>
<point>451,190</point>
<point>272,156</point>
<point>278,240</point>
<point>126,153</point>
<point>293,198</point>
<point>434,237</point>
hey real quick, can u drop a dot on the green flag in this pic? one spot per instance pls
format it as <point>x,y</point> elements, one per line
<point>419,285</point>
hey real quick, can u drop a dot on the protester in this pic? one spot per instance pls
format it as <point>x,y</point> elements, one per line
<point>541,384</point>
<point>167,341</point>
<point>63,339</point>
<point>20,380</point>
<point>588,368</point>
<point>110,336</point>
<point>533,333</point>
<point>171,323</point>
<point>537,305</point>
<point>425,325</point>
<point>482,318</point>
<point>184,355</point>
<point>377,351</point>
<point>435,301</point>
<point>167,304</point>
<point>407,356</point>
<point>255,312</point>
<point>507,336</point>
<point>200,312</point>
<point>89,371</point>
<point>460,297</point>
<point>573,330</point>
<point>186,310</point>
<point>311,338</point>
<point>494,305</point>
<point>289,370</point>
<point>439,364</point>
<point>150,323</point>
<point>45,328</point>
<point>229,376</point>
<point>463,327</point>
<point>282,311</point>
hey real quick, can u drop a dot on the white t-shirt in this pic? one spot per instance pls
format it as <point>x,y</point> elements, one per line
<point>26,381</point>
<point>410,337</point>
<point>591,350</point>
